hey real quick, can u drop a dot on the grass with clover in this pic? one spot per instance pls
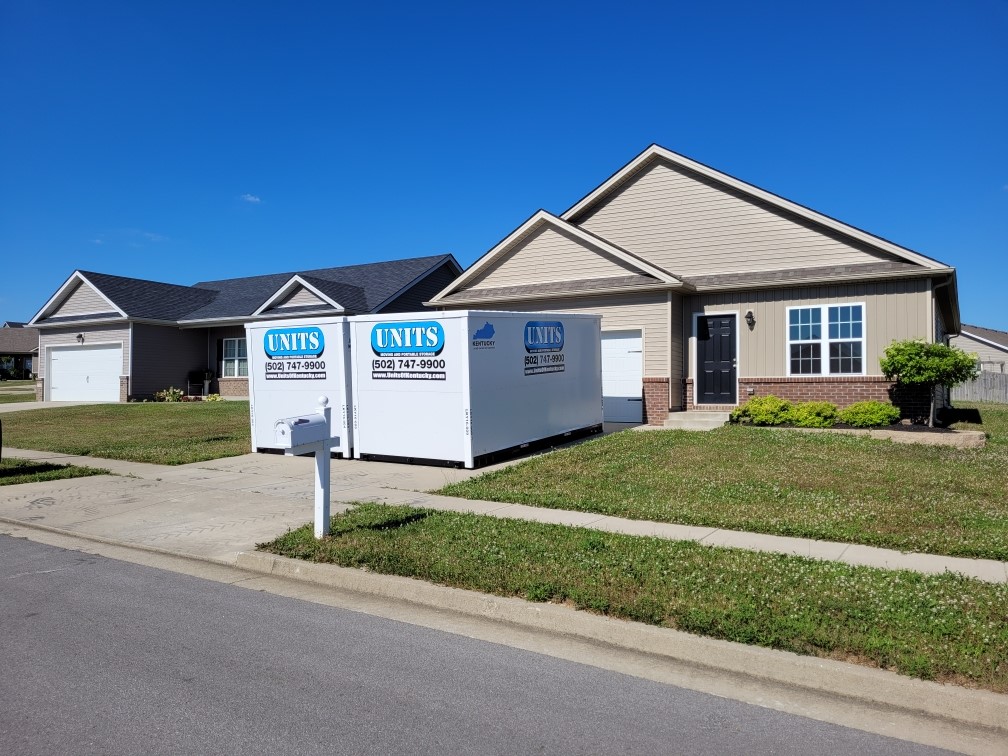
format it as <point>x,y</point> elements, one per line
<point>936,627</point>
<point>825,486</point>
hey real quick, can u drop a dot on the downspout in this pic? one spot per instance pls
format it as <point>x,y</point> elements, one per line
<point>948,282</point>
<point>946,399</point>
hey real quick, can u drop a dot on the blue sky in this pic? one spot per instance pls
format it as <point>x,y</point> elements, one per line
<point>181,142</point>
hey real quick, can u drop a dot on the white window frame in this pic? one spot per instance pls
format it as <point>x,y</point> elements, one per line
<point>236,359</point>
<point>824,340</point>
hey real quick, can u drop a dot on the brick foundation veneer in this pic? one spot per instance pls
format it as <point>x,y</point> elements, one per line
<point>233,387</point>
<point>914,403</point>
<point>656,400</point>
<point>39,389</point>
<point>123,388</point>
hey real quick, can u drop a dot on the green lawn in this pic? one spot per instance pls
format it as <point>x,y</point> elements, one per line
<point>939,627</point>
<point>17,384</point>
<point>163,433</point>
<point>824,485</point>
<point>20,397</point>
<point>14,471</point>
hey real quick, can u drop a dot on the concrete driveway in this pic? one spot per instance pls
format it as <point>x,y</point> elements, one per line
<point>208,509</point>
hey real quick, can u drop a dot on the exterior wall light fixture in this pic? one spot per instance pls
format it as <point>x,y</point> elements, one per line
<point>750,319</point>
<point>80,338</point>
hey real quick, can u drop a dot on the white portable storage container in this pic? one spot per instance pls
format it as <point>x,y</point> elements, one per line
<point>291,363</point>
<point>468,387</point>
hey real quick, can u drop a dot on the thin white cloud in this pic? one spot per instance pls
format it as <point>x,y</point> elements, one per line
<point>251,199</point>
<point>99,240</point>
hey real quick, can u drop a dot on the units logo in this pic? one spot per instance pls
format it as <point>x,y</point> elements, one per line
<point>544,336</point>
<point>294,343</point>
<point>483,338</point>
<point>412,338</point>
<point>544,342</point>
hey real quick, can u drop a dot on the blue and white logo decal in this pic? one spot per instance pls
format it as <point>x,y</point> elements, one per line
<point>288,343</point>
<point>416,337</point>
<point>484,337</point>
<point>544,336</point>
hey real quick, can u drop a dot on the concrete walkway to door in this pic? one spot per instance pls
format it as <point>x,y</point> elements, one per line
<point>214,510</point>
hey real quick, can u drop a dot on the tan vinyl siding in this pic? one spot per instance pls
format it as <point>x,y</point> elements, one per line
<point>991,358</point>
<point>412,300</point>
<point>689,225</point>
<point>547,255</point>
<point>82,300</point>
<point>646,312</point>
<point>163,357</point>
<point>112,334</point>
<point>894,310</point>
<point>299,298</point>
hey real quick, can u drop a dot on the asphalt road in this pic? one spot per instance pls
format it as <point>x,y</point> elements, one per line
<point>101,656</point>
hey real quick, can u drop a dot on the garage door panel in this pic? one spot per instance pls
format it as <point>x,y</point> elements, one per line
<point>85,373</point>
<point>622,376</point>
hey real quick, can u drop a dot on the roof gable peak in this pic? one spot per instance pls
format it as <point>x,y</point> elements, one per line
<point>656,153</point>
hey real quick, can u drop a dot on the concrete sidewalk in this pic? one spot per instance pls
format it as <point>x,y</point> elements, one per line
<point>205,519</point>
<point>216,509</point>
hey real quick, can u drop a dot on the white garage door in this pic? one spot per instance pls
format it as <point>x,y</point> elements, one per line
<point>622,376</point>
<point>85,373</point>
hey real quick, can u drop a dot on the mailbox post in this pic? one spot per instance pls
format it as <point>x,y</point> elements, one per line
<point>306,434</point>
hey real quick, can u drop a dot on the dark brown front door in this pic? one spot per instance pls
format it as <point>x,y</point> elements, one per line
<point>717,377</point>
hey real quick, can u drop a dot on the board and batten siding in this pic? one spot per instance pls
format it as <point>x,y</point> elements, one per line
<point>991,358</point>
<point>545,256</point>
<point>82,300</point>
<point>690,225</point>
<point>164,356</point>
<point>109,334</point>
<point>894,310</point>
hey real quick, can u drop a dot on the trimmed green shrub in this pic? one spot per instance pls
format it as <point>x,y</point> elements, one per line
<point>869,414</point>
<point>916,363</point>
<point>763,410</point>
<point>813,414</point>
<point>213,398</point>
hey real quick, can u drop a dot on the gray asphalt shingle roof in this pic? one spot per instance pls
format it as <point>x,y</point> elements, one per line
<point>998,337</point>
<point>358,288</point>
<point>18,340</point>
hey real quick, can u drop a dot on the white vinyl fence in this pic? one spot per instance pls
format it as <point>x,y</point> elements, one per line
<point>989,387</point>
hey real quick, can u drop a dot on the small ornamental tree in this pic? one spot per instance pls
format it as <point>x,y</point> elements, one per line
<point>917,363</point>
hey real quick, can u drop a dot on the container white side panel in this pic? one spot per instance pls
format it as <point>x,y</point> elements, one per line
<point>408,401</point>
<point>286,380</point>
<point>522,390</point>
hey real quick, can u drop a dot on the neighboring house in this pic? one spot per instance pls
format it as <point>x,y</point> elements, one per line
<point>110,338</point>
<point>18,350</point>
<point>712,290</point>
<point>990,347</point>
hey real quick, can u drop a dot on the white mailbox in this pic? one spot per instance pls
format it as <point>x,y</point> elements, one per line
<point>292,432</point>
<point>309,434</point>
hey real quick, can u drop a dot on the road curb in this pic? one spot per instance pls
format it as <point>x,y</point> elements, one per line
<point>879,688</point>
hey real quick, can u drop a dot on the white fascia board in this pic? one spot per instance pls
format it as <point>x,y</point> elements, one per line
<point>654,151</point>
<point>288,287</point>
<point>243,319</point>
<point>57,298</point>
<point>80,325</point>
<point>544,218</point>
<point>982,340</point>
